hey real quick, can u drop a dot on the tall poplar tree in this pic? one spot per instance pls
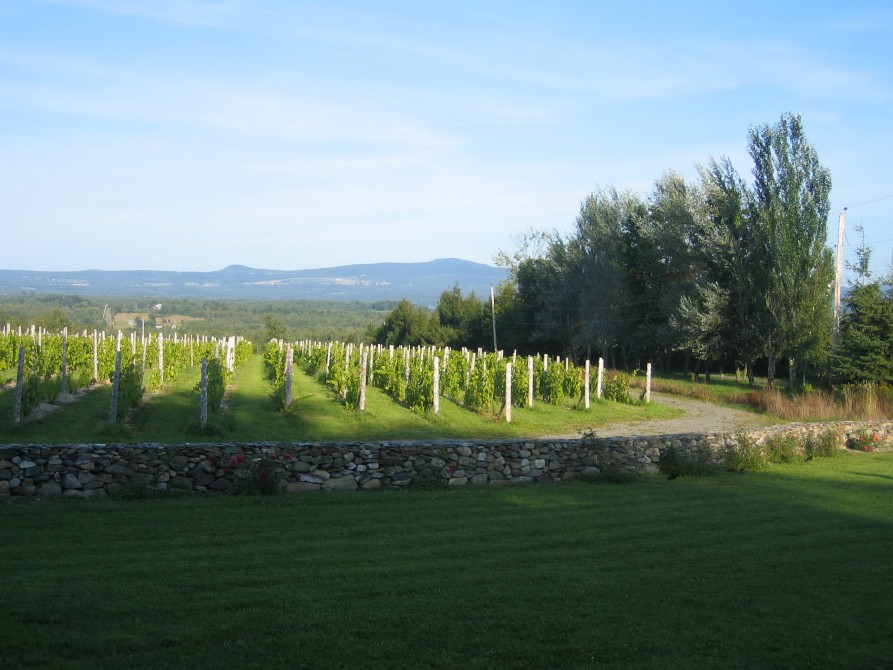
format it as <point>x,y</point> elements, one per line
<point>789,213</point>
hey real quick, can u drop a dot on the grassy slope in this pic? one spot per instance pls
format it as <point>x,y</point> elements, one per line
<point>172,416</point>
<point>783,568</point>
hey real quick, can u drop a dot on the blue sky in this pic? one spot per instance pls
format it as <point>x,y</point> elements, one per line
<point>191,134</point>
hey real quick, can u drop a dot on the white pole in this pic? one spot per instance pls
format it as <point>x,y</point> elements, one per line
<point>508,392</point>
<point>437,385</point>
<point>586,384</point>
<point>648,383</point>
<point>838,275</point>
<point>601,375</point>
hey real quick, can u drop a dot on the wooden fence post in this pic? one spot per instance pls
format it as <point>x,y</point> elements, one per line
<point>586,376</point>
<point>601,376</point>
<point>63,371</point>
<point>95,356</point>
<point>20,387</point>
<point>289,364</point>
<point>508,392</point>
<point>648,383</point>
<point>364,368</point>
<point>203,409</point>
<point>116,381</point>
<point>437,385</point>
<point>161,358</point>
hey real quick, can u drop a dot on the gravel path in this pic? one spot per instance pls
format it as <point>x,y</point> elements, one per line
<point>699,417</point>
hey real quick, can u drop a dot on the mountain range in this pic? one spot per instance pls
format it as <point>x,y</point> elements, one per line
<point>421,283</point>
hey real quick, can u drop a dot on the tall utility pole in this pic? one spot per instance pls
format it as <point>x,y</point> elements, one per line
<point>838,275</point>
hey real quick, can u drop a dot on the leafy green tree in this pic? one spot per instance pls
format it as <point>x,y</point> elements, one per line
<point>789,209</point>
<point>669,254</point>
<point>609,299</point>
<point>274,329</point>
<point>865,351</point>
<point>865,348</point>
<point>463,321</point>
<point>735,264</point>
<point>407,325</point>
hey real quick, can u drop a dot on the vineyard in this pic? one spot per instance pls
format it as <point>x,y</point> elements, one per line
<point>418,377</point>
<point>48,364</point>
<point>416,391</point>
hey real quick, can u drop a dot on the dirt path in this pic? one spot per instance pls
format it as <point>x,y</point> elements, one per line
<point>699,417</point>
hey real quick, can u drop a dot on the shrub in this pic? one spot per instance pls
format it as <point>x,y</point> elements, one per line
<point>673,463</point>
<point>822,446</point>
<point>611,474</point>
<point>130,390</point>
<point>257,475</point>
<point>552,384</point>
<point>746,454</point>
<point>781,449</point>
<point>864,441</point>
<point>617,387</point>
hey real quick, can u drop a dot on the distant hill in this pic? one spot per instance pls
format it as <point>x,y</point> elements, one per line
<point>421,283</point>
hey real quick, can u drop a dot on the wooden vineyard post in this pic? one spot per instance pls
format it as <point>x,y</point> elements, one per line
<point>289,364</point>
<point>508,392</point>
<point>20,387</point>
<point>116,381</point>
<point>530,381</point>
<point>95,356</point>
<point>601,375</point>
<point>203,408</point>
<point>363,372</point>
<point>437,385</point>
<point>63,372</point>
<point>648,383</point>
<point>160,359</point>
<point>586,385</point>
<point>143,342</point>
<point>406,365</point>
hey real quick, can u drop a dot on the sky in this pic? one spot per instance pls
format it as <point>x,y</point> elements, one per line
<point>279,134</point>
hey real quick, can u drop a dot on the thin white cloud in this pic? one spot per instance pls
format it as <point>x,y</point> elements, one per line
<point>220,14</point>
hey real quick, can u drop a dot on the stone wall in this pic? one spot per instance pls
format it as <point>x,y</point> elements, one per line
<point>88,470</point>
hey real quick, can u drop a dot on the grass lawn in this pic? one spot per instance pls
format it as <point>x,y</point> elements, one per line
<point>172,416</point>
<point>785,568</point>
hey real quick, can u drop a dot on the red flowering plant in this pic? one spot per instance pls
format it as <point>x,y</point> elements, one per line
<point>864,441</point>
<point>255,475</point>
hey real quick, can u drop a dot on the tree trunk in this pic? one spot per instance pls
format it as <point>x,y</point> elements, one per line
<point>792,373</point>
<point>770,368</point>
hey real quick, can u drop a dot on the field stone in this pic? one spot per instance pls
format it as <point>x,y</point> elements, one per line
<point>180,483</point>
<point>70,481</point>
<point>48,489</point>
<point>340,484</point>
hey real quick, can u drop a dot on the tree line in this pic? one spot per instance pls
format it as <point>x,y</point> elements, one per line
<point>718,272</point>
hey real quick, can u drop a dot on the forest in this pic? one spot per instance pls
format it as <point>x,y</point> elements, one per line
<point>716,275</point>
